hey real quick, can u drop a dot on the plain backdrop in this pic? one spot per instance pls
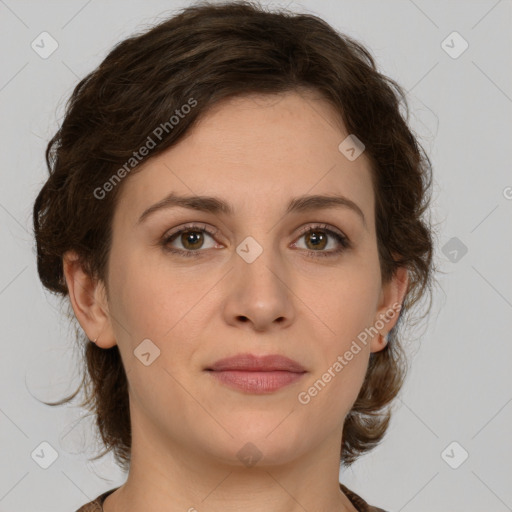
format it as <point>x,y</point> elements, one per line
<point>449,445</point>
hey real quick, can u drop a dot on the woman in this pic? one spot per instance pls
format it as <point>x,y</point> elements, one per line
<point>235,214</point>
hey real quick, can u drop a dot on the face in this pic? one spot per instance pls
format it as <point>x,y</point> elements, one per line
<point>249,281</point>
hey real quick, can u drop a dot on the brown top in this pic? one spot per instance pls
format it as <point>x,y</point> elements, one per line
<point>358,502</point>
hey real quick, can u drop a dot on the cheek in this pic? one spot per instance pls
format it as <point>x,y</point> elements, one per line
<point>147,300</point>
<point>345,303</point>
<point>150,304</point>
<point>346,308</point>
<point>329,394</point>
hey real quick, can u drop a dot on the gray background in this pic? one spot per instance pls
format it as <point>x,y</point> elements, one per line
<point>459,388</point>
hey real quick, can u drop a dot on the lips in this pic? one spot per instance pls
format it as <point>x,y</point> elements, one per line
<point>252,363</point>
<point>256,374</point>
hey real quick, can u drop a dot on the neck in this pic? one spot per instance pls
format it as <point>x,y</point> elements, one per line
<point>171,477</point>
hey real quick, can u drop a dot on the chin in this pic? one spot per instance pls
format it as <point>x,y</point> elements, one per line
<point>265,446</point>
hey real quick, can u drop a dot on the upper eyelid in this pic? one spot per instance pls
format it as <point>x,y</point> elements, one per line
<point>322,226</point>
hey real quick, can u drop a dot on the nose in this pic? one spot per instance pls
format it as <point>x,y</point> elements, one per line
<point>259,296</point>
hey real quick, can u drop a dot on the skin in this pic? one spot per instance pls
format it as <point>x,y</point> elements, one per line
<point>255,152</point>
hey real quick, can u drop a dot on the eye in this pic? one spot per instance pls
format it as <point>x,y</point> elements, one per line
<point>317,239</point>
<point>192,239</point>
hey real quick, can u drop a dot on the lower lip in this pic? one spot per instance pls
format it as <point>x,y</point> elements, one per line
<point>256,382</point>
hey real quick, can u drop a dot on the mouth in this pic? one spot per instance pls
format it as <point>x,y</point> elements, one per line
<point>257,374</point>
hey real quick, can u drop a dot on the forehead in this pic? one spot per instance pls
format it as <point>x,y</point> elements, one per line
<point>257,152</point>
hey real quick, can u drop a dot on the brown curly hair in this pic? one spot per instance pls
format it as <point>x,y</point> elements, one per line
<point>211,52</point>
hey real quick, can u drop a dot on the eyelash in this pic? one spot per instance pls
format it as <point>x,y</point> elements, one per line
<point>341,239</point>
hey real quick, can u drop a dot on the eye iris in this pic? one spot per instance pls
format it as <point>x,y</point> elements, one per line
<point>192,239</point>
<point>318,240</point>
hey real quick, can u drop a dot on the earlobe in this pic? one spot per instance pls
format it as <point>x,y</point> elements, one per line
<point>392,297</point>
<point>88,299</point>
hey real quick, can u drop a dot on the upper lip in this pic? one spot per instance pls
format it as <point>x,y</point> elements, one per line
<point>250,362</point>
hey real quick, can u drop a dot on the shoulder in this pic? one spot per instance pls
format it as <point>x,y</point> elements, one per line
<point>361,505</point>
<point>358,502</point>
<point>96,505</point>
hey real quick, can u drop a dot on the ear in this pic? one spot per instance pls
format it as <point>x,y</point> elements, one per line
<point>390,303</point>
<point>89,300</point>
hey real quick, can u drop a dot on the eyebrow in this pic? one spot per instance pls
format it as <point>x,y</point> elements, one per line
<point>216,205</point>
